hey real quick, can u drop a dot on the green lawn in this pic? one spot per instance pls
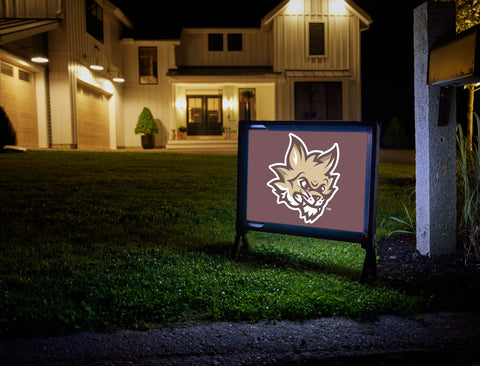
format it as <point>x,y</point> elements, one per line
<point>132,240</point>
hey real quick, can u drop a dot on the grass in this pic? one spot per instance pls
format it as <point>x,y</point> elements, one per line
<point>100,241</point>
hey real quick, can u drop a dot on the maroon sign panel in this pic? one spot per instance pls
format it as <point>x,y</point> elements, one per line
<point>307,178</point>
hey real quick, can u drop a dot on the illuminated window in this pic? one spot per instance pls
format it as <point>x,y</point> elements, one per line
<point>94,17</point>
<point>318,101</point>
<point>316,45</point>
<point>147,65</point>
<point>215,42</point>
<point>235,42</point>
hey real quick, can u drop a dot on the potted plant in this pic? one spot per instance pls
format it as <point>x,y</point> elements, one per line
<point>182,132</point>
<point>146,124</point>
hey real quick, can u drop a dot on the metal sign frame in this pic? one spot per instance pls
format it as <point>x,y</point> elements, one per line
<point>366,236</point>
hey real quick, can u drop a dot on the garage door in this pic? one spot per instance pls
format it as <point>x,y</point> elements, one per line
<point>92,119</point>
<point>19,102</point>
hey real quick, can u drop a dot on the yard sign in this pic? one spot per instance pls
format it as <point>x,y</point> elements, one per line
<point>316,179</point>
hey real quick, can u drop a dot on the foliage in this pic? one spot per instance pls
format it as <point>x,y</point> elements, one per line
<point>408,221</point>
<point>468,13</point>
<point>146,123</point>
<point>468,168</point>
<point>8,135</point>
<point>131,240</point>
<point>395,136</point>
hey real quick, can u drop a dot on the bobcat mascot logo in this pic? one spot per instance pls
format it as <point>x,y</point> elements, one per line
<point>307,180</point>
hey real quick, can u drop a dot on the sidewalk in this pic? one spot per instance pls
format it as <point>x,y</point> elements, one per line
<point>432,339</point>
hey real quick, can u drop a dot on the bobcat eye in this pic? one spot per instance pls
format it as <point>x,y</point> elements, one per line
<point>303,183</point>
<point>323,188</point>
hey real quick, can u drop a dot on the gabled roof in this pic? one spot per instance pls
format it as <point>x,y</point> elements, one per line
<point>365,19</point>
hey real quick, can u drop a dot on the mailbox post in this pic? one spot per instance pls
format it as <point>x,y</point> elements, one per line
<point>435,144</point>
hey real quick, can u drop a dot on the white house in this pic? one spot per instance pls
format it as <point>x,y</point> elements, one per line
<point>303,63</point>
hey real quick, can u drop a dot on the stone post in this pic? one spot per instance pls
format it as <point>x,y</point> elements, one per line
<point>435,146</point>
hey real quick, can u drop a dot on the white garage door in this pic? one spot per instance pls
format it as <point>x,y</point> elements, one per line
<point>19,102</point>
<point>92,119</point>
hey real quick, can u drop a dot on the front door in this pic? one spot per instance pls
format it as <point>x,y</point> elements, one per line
<point>204,115</point>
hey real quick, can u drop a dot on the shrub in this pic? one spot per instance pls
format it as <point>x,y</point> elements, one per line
<point>7,132</point>
<point>395,136</point>
<point>146,123</point>
<point>468,181</point>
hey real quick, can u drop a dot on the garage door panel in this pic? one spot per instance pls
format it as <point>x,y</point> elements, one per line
<point>19,101</point>
<point>92,119</point>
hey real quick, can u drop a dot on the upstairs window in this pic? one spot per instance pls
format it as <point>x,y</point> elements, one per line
<point>147,65</point>
<point>215,42</point>
<point>316,39</point>
<point>235,42</point>
<point>94,20</point>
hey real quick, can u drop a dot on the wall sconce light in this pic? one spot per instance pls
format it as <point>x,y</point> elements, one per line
<point>39,59</point>
<point>116,77</point>
<point>181,104</point>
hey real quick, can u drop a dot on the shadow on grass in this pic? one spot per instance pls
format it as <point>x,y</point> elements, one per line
<point>277,260</point>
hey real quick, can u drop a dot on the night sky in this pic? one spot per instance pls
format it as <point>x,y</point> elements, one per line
<point>387,47</point>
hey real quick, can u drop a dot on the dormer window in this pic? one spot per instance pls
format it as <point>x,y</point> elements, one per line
<point>316,39</point>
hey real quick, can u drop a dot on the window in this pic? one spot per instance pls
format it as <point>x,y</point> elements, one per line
<point>318,101</point>
<point>215,42</point>
<point>234,41</point>
<point>147,65</point>
<point>316,45</point>
<point>24,75</point>
<point>7,69</point>
<point>94,19</point>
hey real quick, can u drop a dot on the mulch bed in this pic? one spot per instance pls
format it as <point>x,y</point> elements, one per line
<point>445,281</point>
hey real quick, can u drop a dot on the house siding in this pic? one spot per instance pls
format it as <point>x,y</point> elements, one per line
<point>71,51</point>
<point>341,61</point>
<point>156,97</point>
<point>193,48</point>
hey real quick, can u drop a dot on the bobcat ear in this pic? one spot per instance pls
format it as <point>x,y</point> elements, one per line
<point>297,152</point>
<point>330,158</point>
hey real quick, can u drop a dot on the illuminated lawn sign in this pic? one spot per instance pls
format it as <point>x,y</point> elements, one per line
<point>316,179</point>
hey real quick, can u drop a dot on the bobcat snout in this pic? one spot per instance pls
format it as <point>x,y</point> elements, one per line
<point>305,198</point>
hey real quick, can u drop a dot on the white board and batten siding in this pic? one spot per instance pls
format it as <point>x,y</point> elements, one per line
<point>193,48</point>
<point>71,51</point>
<point>157,97</point>
<point>342,58</point>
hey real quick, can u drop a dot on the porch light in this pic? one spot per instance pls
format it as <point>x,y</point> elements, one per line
<point>337,7</point>
<point>181,104</point>
<point>118,79</point>
<point>294,7</point>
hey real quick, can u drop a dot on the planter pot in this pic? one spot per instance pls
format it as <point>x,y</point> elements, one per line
<point>148,141</point>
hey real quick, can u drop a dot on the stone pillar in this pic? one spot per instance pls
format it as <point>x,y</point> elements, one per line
<point>434,145</point>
